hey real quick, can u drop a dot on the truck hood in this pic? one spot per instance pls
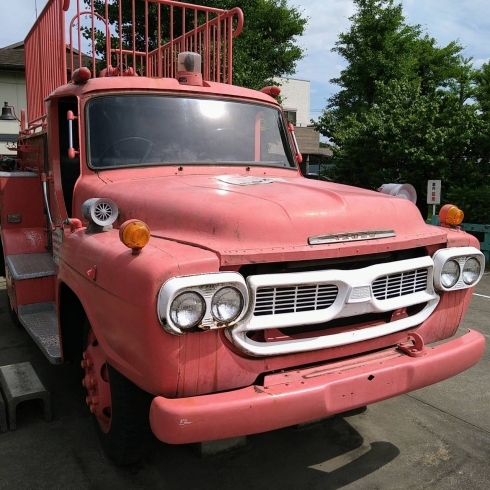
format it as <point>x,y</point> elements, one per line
<point>227,213</point>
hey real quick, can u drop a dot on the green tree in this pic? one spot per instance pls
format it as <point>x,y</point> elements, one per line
<point>473,194</point>
<point>266,47</point>
<point>372,50</point>
<point>404,112</point>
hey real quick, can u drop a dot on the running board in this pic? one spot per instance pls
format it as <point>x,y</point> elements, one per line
<point>30,266</point>
<point>40,321</point>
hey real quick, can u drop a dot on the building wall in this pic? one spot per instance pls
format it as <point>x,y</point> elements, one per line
<point>13,91</point>
<point>295,96</point>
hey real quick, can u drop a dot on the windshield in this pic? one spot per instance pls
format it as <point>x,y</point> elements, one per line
<point>139,130</point>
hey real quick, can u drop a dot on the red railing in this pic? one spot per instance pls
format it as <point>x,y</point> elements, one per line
<point>45,57</point>
<point>211,35</point>
<point>207,31</point>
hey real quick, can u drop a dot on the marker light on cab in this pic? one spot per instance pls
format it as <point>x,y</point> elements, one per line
<point>135,234</point>
<point>450,215</point>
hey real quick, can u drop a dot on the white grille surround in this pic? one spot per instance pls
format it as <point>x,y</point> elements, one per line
<point>374,289</point>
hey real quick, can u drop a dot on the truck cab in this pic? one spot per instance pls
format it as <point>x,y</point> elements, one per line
<point>159,231</point>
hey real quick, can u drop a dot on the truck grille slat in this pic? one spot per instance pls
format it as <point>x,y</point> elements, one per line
<point>277,300</point>
<point>400,284</point>
<point>312,297</point>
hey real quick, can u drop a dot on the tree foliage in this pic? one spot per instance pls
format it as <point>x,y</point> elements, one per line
<point>266,48</point>
<point>407,110</point>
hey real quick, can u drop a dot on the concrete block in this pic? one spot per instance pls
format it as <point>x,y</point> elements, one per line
<point>19,382</point>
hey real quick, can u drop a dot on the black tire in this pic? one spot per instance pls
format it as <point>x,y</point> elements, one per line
<point>127,434</point>
<point>130,432</point>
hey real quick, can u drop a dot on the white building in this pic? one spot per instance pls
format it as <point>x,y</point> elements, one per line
<point>12,91</point>
<point>295,100</point>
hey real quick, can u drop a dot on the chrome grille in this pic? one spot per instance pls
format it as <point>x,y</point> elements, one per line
<point>294,299</point>
<point>401,284</point>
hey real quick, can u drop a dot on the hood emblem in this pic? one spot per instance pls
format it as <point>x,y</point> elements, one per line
<point>353,236</point>
<point>249,180</point>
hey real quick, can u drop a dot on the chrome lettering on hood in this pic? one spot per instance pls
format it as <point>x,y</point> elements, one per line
<point>354,236</point>
<point>238,180</point>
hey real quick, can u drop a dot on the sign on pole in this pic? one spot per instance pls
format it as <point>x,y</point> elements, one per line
<point>434,192</point>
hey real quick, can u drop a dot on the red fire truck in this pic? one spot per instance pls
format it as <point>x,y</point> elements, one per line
<point>157,228</point>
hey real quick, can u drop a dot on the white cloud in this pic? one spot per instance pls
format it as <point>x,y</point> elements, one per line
<point>479,63</point>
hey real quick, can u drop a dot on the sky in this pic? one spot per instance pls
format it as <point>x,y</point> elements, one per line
<point>467,21</point>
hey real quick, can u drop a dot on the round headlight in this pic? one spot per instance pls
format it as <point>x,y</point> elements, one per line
<point>187,310</point>
<point>227,304</point>
<point>450,274</point>
<point>471,271</point>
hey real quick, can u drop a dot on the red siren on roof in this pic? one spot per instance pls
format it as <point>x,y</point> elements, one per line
<point>81,75</point>
<point>272,90</point>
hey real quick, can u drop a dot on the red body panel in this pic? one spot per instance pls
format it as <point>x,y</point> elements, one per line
<point>260,223</point>
<point>122,310</point>
<point>30,291</point>
<point>298,396</point>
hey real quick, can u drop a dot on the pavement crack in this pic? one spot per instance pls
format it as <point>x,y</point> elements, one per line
<point>447,413</point>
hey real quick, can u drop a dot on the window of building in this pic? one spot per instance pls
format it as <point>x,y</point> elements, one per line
<point>291,116</point>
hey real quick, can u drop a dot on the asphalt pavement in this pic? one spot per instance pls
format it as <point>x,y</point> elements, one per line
<point>434,438</point>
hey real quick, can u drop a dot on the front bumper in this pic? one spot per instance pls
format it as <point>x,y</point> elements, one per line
<point>299,396</point>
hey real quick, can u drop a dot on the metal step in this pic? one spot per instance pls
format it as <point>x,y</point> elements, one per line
<point>30,266</point>
<point>40,321</point>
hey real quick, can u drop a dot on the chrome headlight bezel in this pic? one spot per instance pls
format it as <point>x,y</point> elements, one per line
<point>460,255</point>
<point>206,286</point>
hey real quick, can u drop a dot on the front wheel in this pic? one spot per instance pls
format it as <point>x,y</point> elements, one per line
<point>120,409</point>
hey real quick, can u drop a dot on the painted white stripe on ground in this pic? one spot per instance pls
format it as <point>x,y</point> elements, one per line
<point>481,295</point>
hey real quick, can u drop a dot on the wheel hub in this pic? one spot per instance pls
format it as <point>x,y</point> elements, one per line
<point>96,382</point>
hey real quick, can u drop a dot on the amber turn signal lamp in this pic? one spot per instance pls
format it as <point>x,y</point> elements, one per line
<point>134,234</point>
<point>450,215</point>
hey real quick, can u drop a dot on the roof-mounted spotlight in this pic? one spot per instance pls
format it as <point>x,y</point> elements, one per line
<point>189,68</point>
